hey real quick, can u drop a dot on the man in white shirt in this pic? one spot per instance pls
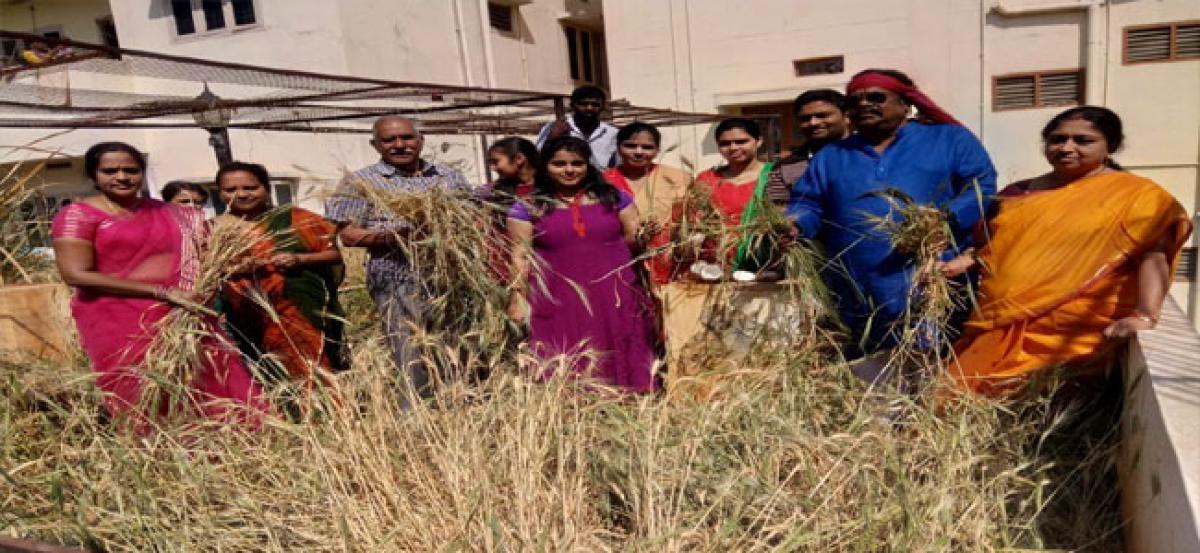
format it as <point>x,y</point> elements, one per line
<point>587,103</point>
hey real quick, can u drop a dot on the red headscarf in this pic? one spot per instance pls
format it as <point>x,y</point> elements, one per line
<point>928,109</point>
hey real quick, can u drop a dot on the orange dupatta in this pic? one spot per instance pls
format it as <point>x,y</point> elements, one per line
<point>1060,266</point>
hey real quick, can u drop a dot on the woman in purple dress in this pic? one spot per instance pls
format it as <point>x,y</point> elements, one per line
<point>586,307</point>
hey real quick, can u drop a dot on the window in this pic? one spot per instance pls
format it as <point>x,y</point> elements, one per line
<point>216,15</point>
<point>501,17</point>
<point>778,122</point>
<point>184,23</point>
<point>1185,270</point>
<point>573,51</point>
<point>1165,42</point>
<point>9,48</point>
<point>243,12</point>
<point>1037,90</point>
<point>828,65</point>
<point>585,56</point>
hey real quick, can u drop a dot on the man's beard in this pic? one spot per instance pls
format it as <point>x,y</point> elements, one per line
<point>587,122</point>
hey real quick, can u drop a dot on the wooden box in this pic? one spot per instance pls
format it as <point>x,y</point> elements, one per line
<point>35,320</point>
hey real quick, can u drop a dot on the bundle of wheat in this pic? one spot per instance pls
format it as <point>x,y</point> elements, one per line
<point>923,234</point>
<point>447,236</point>
<point>181,337</point>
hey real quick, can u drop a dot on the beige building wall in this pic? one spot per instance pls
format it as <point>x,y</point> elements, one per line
<point>704,55</point>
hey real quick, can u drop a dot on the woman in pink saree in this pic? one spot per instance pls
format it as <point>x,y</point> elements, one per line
<point>131,260</point>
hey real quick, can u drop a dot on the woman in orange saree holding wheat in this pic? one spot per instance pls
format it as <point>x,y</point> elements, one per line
<point>1071,262</point>
<point>283,308</point>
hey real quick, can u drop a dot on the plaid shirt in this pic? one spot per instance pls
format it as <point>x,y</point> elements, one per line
<point>784,175</point>
<point>347,207</point>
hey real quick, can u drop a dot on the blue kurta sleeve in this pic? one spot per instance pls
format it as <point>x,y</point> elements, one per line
<point>974,184</point>
<point>804,207</point>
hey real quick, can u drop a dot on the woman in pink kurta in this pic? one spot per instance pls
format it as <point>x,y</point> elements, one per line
<point>131,260</point>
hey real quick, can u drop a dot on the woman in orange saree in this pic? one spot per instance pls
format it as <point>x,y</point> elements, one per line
<point>1071,262</point>
<point>283,308</point>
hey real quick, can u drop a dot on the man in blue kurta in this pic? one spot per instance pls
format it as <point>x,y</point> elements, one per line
<point>933,159</point>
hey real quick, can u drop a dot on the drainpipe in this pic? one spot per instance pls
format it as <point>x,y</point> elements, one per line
<point>489,65</point>
<point>1096,54</point>
<point>464,67</point>
<point>485,33</point>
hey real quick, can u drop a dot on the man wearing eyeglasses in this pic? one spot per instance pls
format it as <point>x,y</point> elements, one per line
<point>932,159</point>
<point>587,104</point>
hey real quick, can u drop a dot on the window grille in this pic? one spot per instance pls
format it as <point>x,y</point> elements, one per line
<point>1037,90</point>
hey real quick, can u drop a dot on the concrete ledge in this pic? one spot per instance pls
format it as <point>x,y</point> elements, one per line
<point>1160,438</point>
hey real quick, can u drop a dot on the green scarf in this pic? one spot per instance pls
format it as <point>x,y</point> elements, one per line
<point>753,209</point>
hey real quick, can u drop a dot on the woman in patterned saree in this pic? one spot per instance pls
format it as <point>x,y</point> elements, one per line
<point>283,307</point>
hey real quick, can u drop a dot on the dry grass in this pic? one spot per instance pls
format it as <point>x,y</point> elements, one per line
<point>790,458</point>
<point>178,348</point>
<point>922,233</point>
<point>21,221</point>
<point>446,242</point>
<point>791,461</point>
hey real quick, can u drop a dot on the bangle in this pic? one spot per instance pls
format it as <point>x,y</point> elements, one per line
<point>1146,317</point>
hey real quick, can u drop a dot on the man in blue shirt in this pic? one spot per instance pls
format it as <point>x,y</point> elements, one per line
<point>934,160</point>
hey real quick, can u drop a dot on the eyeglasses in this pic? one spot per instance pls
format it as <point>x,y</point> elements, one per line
<point>874,97</point>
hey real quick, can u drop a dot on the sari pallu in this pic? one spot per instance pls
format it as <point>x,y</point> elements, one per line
<point>1058,267</point>
<point>657,199</point>
<point>303,336</point>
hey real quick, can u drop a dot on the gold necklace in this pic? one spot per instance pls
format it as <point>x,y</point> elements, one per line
<point>117,209</point>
